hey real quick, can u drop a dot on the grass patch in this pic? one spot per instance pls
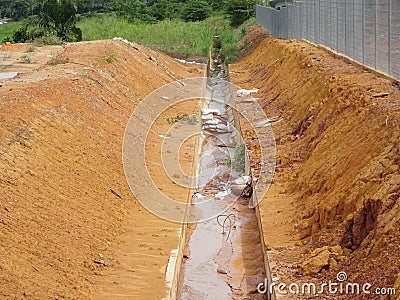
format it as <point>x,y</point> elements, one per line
<point>183,117</point>
<point>59,60</point>
<point>108,59</point>
<point>171,36</point>
<point>48,40</point>
<point>30,49</point>
<point>191,120</point>
<point>239,159</point>
<point>230,37</point>
<point>91,78</point>
<point>238,162</point>
<point>7,30</point>
<point>174,36</point>
<point>5,67</point>
<point>25,59</point>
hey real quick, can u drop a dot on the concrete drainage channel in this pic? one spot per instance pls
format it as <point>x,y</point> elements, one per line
<point>224,255</point>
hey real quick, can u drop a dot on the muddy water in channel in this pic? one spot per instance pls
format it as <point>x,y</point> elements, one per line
<point>221,263</point>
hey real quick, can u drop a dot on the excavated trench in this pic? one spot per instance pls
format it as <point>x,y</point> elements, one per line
<point>223,256</point>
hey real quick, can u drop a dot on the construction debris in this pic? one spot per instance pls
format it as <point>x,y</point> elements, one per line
<point>241,184</point>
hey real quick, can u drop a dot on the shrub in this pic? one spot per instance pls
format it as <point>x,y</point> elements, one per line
<point>47,40</point>
<point>30,49</point>
<point>25,59</point>
<point>7,39</point>
<point>109,59</point>
<point>196,10</point>
<point>165,9</point>
<point>21,35</point>
<point>239,159</point>
<point>59,17</point>
<point>58,60</point>
<point>36,32</point>
<point>134,10</point>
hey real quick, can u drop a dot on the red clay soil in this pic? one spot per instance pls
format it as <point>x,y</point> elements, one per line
<point>252,39</point>
<point>337,179</point>
<point>70,228</point>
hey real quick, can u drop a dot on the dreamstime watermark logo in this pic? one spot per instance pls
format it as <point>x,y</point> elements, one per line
<point>338,286</point>
<point>141,123</point>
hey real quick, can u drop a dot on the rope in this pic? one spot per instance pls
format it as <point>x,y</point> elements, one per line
<point>232,220</point>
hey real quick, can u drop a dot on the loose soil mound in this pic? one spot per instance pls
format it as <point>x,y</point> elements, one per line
<point>69,226</point>
<point>338,156</point>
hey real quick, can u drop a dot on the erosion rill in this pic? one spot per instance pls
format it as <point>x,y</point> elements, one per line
<point>223,256</point>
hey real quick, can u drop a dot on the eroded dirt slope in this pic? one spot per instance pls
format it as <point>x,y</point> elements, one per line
<point>69,225</point>
<point>338,156</point>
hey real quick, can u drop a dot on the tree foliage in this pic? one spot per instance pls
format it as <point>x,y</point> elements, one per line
<point>134,10</point>
<point>196,10</point>
<point>239,10</point>
<point>164,9</point>
<point>140,10</point>
<point>18,9</point>
<point>59,17</point>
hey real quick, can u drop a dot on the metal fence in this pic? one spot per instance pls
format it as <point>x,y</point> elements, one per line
<point>365,30</point>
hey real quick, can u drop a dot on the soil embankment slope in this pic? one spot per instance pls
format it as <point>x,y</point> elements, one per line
<point>69,225</point>
<point>337,179</point>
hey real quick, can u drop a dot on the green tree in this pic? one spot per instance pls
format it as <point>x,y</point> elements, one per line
<point>196,10</point>
<point>165,9</point>
<point>239,10</point>
<point>16,10</point>
<point>216,4</point>
<point>59,17</point>
<point>133,10</point>
<point>85,6</point>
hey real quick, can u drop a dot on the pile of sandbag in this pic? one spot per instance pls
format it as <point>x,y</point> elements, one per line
<point>213,121</point>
